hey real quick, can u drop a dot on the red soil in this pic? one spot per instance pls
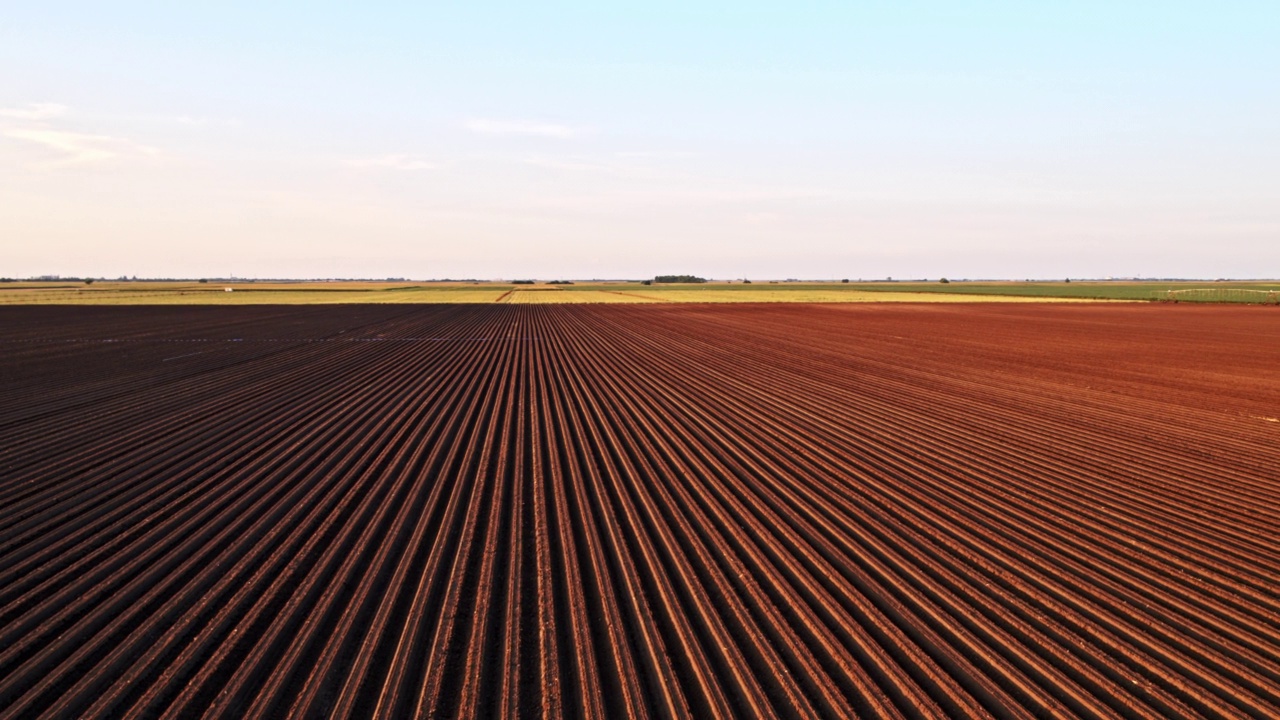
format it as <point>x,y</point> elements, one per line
<point>611,511</point>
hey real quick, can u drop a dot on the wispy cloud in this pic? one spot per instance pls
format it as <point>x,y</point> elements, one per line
<point>654,154</point>
<point>394,162</point>
<point>77,148</point>
<point>523,127</point>
<point>35,111</point>
<point>44,125</point>
<point>193,121</point>
<point>780,201</point>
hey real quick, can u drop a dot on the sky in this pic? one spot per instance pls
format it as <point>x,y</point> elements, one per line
<point>911,139</point>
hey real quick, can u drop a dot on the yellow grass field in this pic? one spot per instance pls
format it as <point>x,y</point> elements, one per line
<point>557,296</point>
<point>710,294</point>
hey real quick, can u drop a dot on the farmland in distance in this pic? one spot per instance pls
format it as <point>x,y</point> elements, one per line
<point>581,510</point>
<point>263,292</point>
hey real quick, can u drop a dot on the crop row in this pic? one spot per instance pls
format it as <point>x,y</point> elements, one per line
<point>635,511</point>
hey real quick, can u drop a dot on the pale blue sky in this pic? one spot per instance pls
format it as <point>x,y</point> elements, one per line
<point>825,140</point>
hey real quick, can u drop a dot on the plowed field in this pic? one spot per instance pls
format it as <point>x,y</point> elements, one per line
<point>634,511</point>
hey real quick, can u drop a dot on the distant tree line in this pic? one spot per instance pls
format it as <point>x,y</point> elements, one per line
<point>49,278</point>
<point>679,279</point>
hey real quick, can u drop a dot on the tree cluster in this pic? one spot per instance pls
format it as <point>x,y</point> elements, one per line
<point>678,279</point>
